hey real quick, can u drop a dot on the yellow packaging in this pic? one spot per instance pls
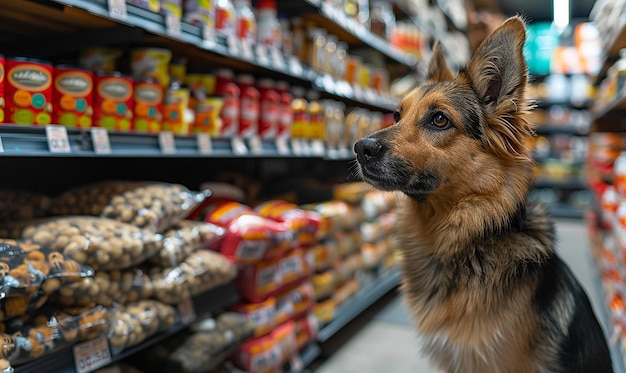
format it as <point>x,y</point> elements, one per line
<point>151,63</point>
<point>152,5</point>
<point>207,116</point>
<point>175,108</point>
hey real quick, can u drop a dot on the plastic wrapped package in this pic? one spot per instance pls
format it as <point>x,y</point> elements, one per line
<point>22,205</point>
<point>346,242</point>
<point>19,305</point>
<point>250,237</point>
<point>337,215</point>
<point>183,239</point>
<point>325,311</point>
<point>258,281</point>
<point>302,224</point>
<point>294,302</point>
<point>107,289</point>
<point>200,272</point>
<point>353,192</point>
<point>131,324</point>
<point>52,330</point>
<point>28,268</point>
<point>152,205</point>
<point>262,314</point>
<point>375,203</point>
<point>5,366</point>
<point>374,230</point>
<point>258,355</point>
<point>306,330</point>
<point>324,284</point>
<point>101,243</point>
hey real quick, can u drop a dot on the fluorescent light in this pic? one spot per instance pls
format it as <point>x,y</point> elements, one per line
<point>560,9</point>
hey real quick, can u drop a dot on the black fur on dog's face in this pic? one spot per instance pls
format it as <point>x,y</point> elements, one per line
<point>456,134</point>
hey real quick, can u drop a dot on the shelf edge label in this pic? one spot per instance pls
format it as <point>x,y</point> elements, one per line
<point>204,143</point>
<point>91,355</point>
<point>100,139</point>
<point>58,141</point>
<point>167,142</point>
<point>1,146</point>
<point>117,9</point>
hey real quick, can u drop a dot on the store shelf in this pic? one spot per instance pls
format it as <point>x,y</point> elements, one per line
<point>32,141</point>
<point>63,361</point>
<point>306,357</point>
<point>355,305</point>
<point>561,130</point>
<point>601,111</point>
<point>573,183</point>
<point>616,41</point>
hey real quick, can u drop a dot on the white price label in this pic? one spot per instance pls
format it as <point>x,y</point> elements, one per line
<point>278,60</point>
<point>246,50</point>
<point>208,33</point>
<point>100,140</point>
<point>233,45</point>
<point>172,24</point>
<point>167,143</point>
<point>186,311</point>
<point>117,9</point>
<point>91,355</point>
<point>256,145</point>
<point>205,146</point>
<point>1,146</point>
<point>239,146</point>
<point>58,141</point>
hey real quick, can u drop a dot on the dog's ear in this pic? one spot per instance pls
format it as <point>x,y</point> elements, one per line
<point>438,69</point>
<point>498,70</point>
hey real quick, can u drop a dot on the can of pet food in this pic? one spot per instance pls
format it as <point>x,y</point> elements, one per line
<point>72,96</point>
<point>113,101</point>
<point>2,69</point>
<point>28,91</point>
<point>148,115</point>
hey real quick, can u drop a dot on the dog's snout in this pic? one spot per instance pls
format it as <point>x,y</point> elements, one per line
<point>368,149</point>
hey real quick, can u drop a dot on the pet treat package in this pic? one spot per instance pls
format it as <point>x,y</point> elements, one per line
<point>294,302</point>
<point>249,237</point>
<point>22,304</point>
<point>376,229</point>
<point>200,272</point>
<point>51,330</point>
<point>21,205</point>
<point>262,314</point>
<point>183,239</point>
<point>336,215</point>
<point>25,269</point>
<point>268,353</point>
<point>147,205</point>
<point>107,288</point>
<point>133,323</point>
<point>101,243</point>
<point>302,225</point>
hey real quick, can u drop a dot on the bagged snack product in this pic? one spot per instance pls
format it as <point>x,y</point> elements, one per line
<point>249,236</point>
<point>19,305</point>
<point>152,205</point>
<point>101,243</point>
<point>183,239</point>
<point>302,224</point>
<point>108,288</point>
<point>336,215</point>
<point>132,323</point>
<point>27,268</point>
<point>201,271</point>
<point>262,314</point>
<point>22,205</point>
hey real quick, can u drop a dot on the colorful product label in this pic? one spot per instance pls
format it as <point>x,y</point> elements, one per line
<point>1,89</point>
<point>176,102</point>
<point>249,121</point>
<point>230,116</point>
<point>113,103</point>
<point>148,113</point>
<point>72,96</point>
<point>29,92</point>
<point>207,116</point>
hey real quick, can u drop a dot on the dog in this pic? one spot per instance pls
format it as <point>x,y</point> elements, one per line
<point>480,271</point>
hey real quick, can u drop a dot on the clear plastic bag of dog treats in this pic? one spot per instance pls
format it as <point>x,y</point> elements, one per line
<point>100,243</point>
<point>201,271</point>
<point>183,239</point>
<point>20,305</point>
<point>27,268</point>
<point>151,205</point>
<point>22,205</point>
<point>135,322</point>
<point>107,288</point>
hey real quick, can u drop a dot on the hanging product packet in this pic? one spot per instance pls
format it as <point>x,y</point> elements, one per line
<point>25,269</point>
<point>155,206</point>
<point>100,243</point>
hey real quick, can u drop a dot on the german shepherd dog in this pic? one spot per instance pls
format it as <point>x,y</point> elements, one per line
<point>480,272</point>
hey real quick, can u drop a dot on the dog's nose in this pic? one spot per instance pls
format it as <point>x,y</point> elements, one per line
<point>367,149</point>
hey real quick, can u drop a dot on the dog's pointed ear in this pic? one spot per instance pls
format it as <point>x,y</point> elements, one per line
<point>498,71</point>
<point>438,69</point>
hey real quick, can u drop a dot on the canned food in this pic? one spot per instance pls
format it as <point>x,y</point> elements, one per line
<point>113,101</point>
<point>175,107</point>
<point>72,97</point>
<point>29,91</point>
<point>148,113</point>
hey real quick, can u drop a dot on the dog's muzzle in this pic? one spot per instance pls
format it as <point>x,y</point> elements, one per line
<point>368,149</point>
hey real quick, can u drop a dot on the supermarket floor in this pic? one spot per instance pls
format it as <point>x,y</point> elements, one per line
<point>382,340</point>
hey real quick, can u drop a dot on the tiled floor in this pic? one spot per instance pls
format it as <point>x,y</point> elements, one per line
<point>383,339</point>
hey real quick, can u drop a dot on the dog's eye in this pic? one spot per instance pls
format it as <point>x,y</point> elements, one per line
<point>440,120</point>
<point>396,116</point>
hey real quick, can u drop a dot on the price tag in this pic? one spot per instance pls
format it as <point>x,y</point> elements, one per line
<point>233,45</point>
<point>205,146</point>
<point>167,143</point>
<point>91,355</point>
<point>239,146</point>
<point>186,311</point>
<point>278,60</point>
<point>246,50</point>
<point>117,9</point>
<point>172,24</point>
<point>262,55</point>
<point>208,34</point>
<point>1,146</point>
<point>318,148</point>
<point>255,144</point>
<point>58,142</point>
<point>100,140</point>
<point>282,146</point>
<point>296,363</point>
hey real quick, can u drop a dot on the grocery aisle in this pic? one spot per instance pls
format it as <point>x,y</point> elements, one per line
<point>386,341</point>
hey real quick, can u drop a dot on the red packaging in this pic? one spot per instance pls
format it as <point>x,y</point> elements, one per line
<point>250,107</point>
<point>28,91</point>
<point>270,110</point>
<point>230,111</point>
<point>222,77</point>
<point>148,106</point>
<point>302,223</point>
<point>294,302</point>
<point>306,330</point>
<point>257,282</point>
<point>72,95</point>
<point>2,88</point>
<point>113,102</point>
<point>258,355</point>
<point>249,236</point>
<point>286,116</point>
